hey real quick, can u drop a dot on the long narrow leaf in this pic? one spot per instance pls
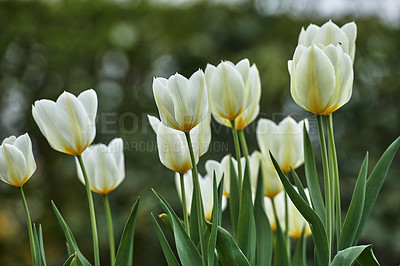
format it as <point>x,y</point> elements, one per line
<point>263,227</point>
<point>187,251</point>
<point>72,245</point>
<point>234,197</point>
<point>193,224</point>
<point>299,185</point>
<point>41,245</point>
<point>362,254</point>
<point>214,229</point>
<point>317,227</point>
<point>281,256</point>
<point>166,248</point>
<point>299,258</point>
<point>312,177</point>
<point>246,233</point>
<point>354,213</point>
<point>125,248</point>
<point>375,182</point>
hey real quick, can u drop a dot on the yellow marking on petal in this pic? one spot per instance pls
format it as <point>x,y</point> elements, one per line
<point>226,194</point>
<point>182,168</point>
<point>78,151</point>
<point>273,227</point>
<point>208,216</point>
<point>286,168</point>
<point>104,190</point>
<point>272,194</point>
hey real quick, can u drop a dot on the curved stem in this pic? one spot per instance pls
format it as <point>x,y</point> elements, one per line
<point>29,224</point>
<point>238,156</point>
<point>335,172</point>
<point>110,228</point>
<point>92,214</point>
<point>184,204</point>
<point>197,194</point>
<point>327,183</point>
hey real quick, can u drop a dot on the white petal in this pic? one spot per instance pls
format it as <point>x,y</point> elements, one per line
<point>72,122</point>
<point>164,102</point>
<point>351,31</point>
<point>43,112</point>
<point>88,99</point>
<point>198,97</point>
<point>178,87</point>
<point>12,165</point>
<point>24,144</point>
<point>315,79</point>
<point>154,122</point>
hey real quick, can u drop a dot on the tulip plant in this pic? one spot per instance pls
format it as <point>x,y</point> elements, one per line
<point>269,205</point>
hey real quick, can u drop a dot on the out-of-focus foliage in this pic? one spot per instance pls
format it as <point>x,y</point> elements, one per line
<point>116,48</point>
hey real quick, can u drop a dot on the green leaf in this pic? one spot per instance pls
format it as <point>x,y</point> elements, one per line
<point>36,248</point>
<point>71,243</point>
<point>312,177</point>
<point>193,224</point>
<point>299,185</point>
<point>374,184</point>
<point>228,251</point>
<point>317,227</point>
<point>234,197</point>
<point>263,227</point>
<point>362,254</point>
<point>246,233</point>
<point>125,248</point>
<point>41,245</point>
<point>187,251</point>
<point>73,260</point>
<point>281,256</point>
<point>166,248</point>
<point>215,218</point>
<point>299,257</point>
<point>164,218</point>
<point>354,213</point>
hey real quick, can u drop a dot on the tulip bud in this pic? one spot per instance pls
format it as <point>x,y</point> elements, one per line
<point>245,99</point>
<point>321,79</point>
<point>17,164</point>
<point>181,102</point>
<point>69,123</point>
<point>104,165</point>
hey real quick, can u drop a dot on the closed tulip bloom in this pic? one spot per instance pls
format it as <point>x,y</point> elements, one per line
<point>321,79</point>
<point>279,201</point>
<point>283,140</point>
<point>272,183</point>
<point>330,33</point>
<point>172,146</point>
<point>252,99</point>
<point>181,102</point>
<point>232,89</point>
<point>17,164</point>
<point>223,168</point>
<point>69,123</point>
<point>206,189</point>
<point>296,220</point>
<point>104,165</point>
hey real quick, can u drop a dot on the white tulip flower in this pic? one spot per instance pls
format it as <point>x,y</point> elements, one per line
<point>181,102</point>
<point>283,140</point>
<point>17,163</point>
<point>206,189</point>
<point>69,123</point>
<point>172,146</point>
<point>330,33</point>
<point>252,95</point>
<point>321,80</point>
<point>223,168</point>
<point>104,165</point>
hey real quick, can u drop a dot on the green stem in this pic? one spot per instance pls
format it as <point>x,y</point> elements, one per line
<point>287,225</point>
<point>92,214</point>
<point>334,165</point>
<point>238,156</point>
<point>29,223</point>
<point>327,184</point>
<point>110,228</point>
<point>243,144</point>
<point>197,194</point>
<point>184,204</point>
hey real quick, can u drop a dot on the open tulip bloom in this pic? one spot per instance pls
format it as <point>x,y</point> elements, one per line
<point>181,102</point>
<point>249,105</point>
<point>69,123</point>
<point>104,165</point>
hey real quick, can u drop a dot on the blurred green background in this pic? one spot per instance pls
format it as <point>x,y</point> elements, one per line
<point>117,47</point>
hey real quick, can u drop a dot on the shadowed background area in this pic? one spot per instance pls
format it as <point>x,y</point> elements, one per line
<point>117,47</point>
